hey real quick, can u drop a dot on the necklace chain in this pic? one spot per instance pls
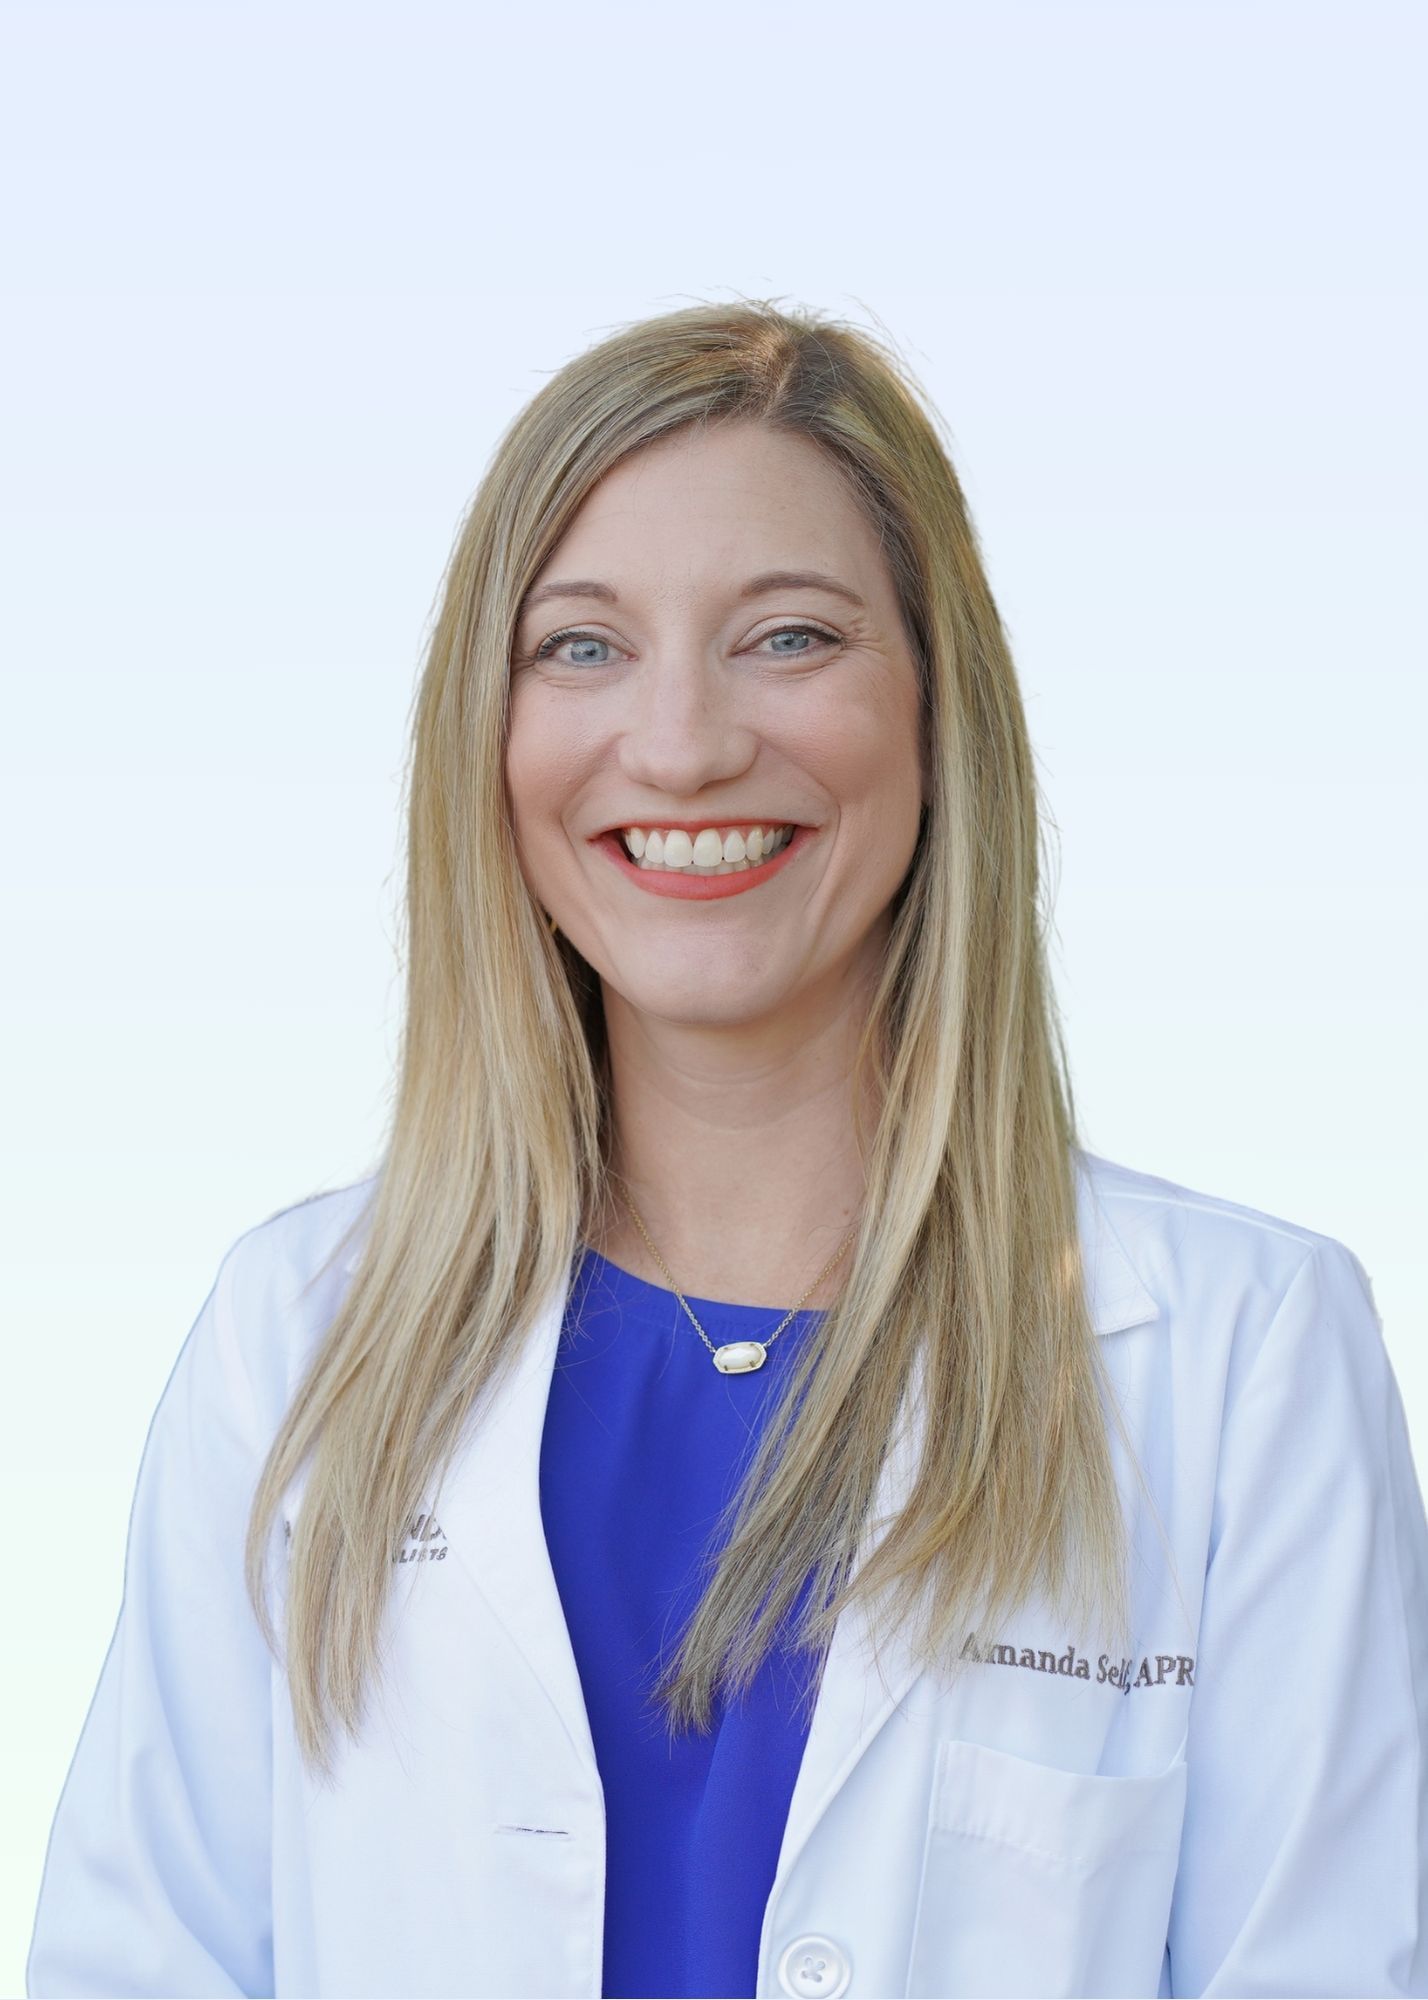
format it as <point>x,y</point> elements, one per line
<point>629,1202</point>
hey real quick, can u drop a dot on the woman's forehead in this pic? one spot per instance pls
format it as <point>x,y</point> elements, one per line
<point>721,518</point>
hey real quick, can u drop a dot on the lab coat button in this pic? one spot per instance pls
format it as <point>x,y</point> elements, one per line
<point>814,1968</point>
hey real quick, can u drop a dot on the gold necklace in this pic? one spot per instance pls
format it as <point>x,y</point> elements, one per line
<point>735,1357</point>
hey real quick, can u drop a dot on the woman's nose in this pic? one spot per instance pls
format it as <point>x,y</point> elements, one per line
<point>685,725</point>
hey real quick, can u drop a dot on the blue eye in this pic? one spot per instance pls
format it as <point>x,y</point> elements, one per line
<point>548,646</point>
<point>827,638</point>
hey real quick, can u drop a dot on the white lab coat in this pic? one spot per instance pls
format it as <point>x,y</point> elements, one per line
<point>1238,1809</point>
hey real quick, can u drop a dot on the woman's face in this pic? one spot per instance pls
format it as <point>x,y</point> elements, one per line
<point>683,695</point>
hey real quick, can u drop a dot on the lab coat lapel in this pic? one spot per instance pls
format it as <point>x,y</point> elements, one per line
<point>859,1689</point>
<point>489,1510</point>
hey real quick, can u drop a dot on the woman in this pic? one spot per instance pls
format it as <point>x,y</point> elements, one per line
<point>741,1501</point>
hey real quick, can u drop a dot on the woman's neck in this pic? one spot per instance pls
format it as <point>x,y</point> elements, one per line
<point>726,1274</point>
<point>747,1182</point>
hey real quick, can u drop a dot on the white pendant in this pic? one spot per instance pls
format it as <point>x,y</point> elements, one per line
<point>740,1357</point>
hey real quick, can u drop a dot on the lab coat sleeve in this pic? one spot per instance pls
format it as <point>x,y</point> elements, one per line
<point>1303,1867</point>
<point>157,1875</point>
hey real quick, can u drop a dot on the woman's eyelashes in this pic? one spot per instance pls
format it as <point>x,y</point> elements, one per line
<point>574,635</point>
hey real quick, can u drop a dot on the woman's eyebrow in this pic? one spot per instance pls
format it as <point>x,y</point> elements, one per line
<point>773,579</point>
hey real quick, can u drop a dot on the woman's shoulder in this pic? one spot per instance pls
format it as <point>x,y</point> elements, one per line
<point>301,1239</point>
<point>1215,1265</point>
<point>278,1288</point>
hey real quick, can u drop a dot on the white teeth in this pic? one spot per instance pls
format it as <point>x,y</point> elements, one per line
<point>709,853</point>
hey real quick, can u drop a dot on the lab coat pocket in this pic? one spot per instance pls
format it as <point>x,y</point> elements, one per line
<point>1040,1882</point>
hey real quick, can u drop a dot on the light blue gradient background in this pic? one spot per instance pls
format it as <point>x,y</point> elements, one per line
<point>275,278</point>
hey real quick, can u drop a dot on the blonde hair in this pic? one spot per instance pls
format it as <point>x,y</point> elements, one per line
<point>967,1262</point>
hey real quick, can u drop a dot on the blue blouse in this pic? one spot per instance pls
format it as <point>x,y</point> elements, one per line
<point>643,1445</point>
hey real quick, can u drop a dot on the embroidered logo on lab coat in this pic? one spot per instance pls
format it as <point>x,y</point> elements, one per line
<point>1152,1669</point>
<point>425,1542</point>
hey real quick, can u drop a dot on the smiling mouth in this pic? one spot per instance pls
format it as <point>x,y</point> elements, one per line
<point>707,852</point>
<point>707,883</point>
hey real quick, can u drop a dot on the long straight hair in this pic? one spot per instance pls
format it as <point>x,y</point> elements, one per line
<point>967,1263</point>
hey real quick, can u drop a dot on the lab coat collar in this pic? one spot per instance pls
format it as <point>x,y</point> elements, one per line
<point>1116,1292</point>
<point>489,1510</point>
